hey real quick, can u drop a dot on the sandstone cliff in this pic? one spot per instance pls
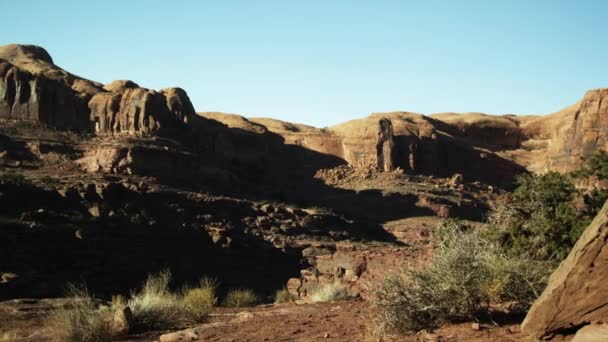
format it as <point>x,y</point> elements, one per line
<point>385,141</point>
<point>480,147</point>
<point>33,89</point>
<point>124,107</point>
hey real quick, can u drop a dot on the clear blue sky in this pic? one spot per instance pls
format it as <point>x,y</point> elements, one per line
<point>323,62</point>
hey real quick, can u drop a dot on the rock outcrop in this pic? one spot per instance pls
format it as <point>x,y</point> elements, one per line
<point>33,89</point>
<point>480,147</point>
<point>584,130</point>
<point>127,108</point>
<point>577,293</point>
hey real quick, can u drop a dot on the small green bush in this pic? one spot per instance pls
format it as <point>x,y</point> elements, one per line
<point>330,293</point>
<point>240,298</point>
<point>464,276</point>
<point>284,296</point>
<point>84,321</point>
<point>199,301</point>
<point>539,219</point>
<point>594,165</point>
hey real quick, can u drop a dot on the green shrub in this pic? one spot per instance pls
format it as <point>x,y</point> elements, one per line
<point>330,293</point>
<point>539,219</point>
<point>155,306</point>
<point>83,321</point>
<point>594,165</point>
<point>284,296</point>
<point>199,301</point>
<point>465,275</point>
<point>240,298</point>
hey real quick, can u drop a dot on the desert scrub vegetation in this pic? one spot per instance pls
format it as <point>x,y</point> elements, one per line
<point>329,293</point>
<point>154,306</point>
<point>199,301</point>
<point>84,320</point>
<point>539,218</point>
<point>466,274</point>
<point>508,259</point>
<point>546,214</point>
<point>238,298</point>
<point>284,296</point>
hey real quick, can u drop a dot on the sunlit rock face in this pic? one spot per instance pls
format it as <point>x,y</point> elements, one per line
<point>33,89</point>
<point>124,107</point>
<point>586,130</point>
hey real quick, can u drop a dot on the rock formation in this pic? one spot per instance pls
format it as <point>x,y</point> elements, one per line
<point>585,129</point>
<point>33,89</point>
<point>577,294</point>
<point>127,108</point>
<point>385,145</point>
<point>480,147</point>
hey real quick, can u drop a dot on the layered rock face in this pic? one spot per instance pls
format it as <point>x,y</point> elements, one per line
<point>127,108</point>
<point>386,141</point>
<point>585,129</point>
<point>577,293</point>
<point>33,89</point>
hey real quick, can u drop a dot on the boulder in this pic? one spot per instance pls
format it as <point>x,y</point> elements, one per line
<point>577,293</point>
<point>592,333</point>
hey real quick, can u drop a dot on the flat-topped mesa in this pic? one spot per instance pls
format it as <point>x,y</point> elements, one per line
<point>126,108</point>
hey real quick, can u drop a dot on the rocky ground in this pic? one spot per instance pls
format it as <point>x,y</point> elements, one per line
<point>63,223</point>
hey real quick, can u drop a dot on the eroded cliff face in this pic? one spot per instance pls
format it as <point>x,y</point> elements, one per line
<point>34,89</point>
<point>480,147</point>
<point>28,97</point>
<point>126,108</point>
<point>583,130</point>
<point>413,142</point>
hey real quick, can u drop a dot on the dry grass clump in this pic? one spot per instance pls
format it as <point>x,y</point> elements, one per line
<point>84,321</point>
<point>155,306</point>
<point>199,301</point>
<point>240,298</point>
<point>466,274</point>
<point>284,296</point>
<point>330,293</point>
